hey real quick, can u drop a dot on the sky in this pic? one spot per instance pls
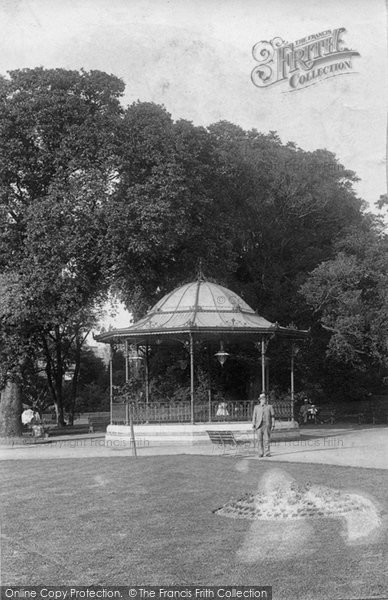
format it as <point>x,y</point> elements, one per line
<point>195,58</point>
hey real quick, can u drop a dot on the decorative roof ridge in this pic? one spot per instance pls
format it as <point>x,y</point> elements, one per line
<point>199,275</point>
<point>199,281</point>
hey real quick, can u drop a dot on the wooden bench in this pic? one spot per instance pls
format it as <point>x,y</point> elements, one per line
<point>98,424</point>
<point>379,415</point>
<point>227,439</point>
<point>282,411</point>
<point>376,416</point>
<point>358,416</point>
<point>68,430</point>
<point>326,415</point>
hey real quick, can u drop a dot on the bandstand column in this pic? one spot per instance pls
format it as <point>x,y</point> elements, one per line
<point>126,362</point>
<point>126,381</point>
<point>147,380</point>
<point>292,386</point>
<point>192,377</point>
<point>262,366</point>
<point>111,381</point>
<point>147,376</point>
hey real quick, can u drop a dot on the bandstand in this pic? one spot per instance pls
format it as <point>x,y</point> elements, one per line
<point>200,311</point>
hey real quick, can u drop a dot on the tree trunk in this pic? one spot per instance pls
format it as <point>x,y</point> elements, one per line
<point>11,410</point>
<point>56,393</point>
<point>54,377</point>
<point>59,378</point>
<point>74,383</point>
<point>59,414</point>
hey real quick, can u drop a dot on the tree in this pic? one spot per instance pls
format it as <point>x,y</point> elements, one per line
<point>349,296</point>
<point>14,347</point>
<point>58,151</point>
<point>64,277</point>
<point>92,393</point>
<point>166,215</point>
<point>34,390</point>
<point>258,214</point>
<point>293,207</point>
<point>93,196</point>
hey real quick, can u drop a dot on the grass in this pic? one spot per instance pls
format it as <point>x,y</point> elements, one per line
<point>149,521</point>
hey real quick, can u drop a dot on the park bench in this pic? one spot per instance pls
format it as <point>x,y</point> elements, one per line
<point>27,431</point>
<point>68,430</point>
<point>98,424</point>
<point>376,416</point>
<point>347,416</point>
<point>227,439</point>
<point>379,415</point>
<point>326,415</point>
<point>282,410</point>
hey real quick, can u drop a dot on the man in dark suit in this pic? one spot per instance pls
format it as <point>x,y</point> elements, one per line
<point>263,421</point>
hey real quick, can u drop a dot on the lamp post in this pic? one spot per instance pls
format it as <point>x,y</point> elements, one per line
<point>111,381</point>
<point>147,379</point>
<point>267,361</point>
<point>191,378</point>
<point>294,352</point>
<point>135,358</point>
<point>263,348</point>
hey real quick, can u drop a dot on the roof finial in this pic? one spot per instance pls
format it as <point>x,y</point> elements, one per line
<point>200,275</point>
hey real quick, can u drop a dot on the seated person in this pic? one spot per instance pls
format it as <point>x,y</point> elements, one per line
<point>222,410</point>
<point>304,411</point>
<point>312,412</point>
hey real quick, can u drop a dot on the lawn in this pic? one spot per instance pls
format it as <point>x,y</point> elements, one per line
<point>149,521</point>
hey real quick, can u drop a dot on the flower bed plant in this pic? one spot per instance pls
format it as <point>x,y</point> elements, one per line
<point>295,501</point>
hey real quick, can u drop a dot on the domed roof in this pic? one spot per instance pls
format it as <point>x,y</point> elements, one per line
<point>201,307</point>
<point>201,296</point>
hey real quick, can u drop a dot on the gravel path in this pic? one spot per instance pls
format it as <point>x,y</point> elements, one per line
<point>356,447</point>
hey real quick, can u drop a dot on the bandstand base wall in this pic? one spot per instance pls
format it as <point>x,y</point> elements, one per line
<point>189,434</point>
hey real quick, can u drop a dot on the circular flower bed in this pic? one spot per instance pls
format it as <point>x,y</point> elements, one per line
<point>295,501</point>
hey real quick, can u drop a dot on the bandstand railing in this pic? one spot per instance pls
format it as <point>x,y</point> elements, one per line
<point>204,412</point>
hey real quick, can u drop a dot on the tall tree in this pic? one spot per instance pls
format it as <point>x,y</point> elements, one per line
<point>58,166</point>
<point>296,204</point>
<point>349,296</point>
<point>260,215</point>
<point>166,217</point>
<point>15,346</point>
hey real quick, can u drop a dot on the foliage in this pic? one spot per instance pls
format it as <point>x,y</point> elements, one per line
<point>58,149</point>
<point>131,391</point>
<point>349,296</point>
<point>167,214</point>
<point>92,392</point>
<point>15,329</point>
<point>35,391</point>
<point>257,214</point>
<point>94,197</point>
<point>292,206</point>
